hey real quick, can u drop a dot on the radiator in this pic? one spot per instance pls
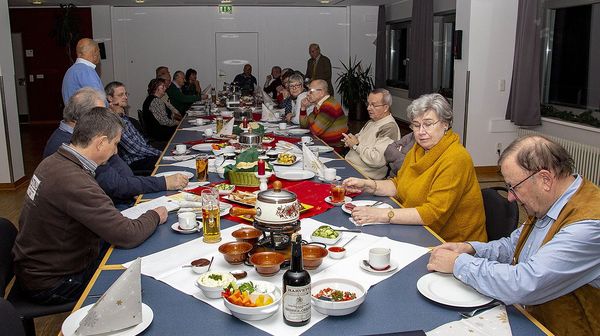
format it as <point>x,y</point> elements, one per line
<point>586,157</point>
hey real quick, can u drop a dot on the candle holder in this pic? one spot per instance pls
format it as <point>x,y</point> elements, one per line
<point>263,180</point>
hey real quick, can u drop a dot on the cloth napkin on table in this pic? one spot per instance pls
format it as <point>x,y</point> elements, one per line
<point>267,114</point>
<point>227,128</point>
<point>493,322</point>
<point>287,147</point>
<point>120,307</point>
<point>312,162</point>
<point>178,157</point>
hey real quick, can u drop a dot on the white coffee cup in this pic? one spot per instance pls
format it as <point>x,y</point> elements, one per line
<point>282,126</point>
<point>208,132</point>
<point>187,220</point>
<point>306,139</point>
<point>180,149</point>
<point>329,174</point>
<point>379,257</point>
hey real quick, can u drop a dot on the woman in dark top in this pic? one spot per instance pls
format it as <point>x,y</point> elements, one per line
<point>192,85</point>
<point>158,119</point>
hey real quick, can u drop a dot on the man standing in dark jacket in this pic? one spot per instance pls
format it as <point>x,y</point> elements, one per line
<point>66,214</point>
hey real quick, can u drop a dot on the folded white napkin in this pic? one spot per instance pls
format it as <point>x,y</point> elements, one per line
<point>267,114</point>
<point>311,162</point>
<point>287,147</point>
<point>120,307</point>
<point>179,157</point>
<point>227,128</point>
<point>267,98</point>
<point>493,322</point>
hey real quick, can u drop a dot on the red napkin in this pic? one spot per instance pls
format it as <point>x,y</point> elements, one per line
<point>283,138</point>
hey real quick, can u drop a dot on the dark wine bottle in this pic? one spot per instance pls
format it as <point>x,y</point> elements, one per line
<point>296,288</point>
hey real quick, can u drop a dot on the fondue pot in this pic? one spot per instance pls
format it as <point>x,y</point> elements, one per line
<point>249,139</point>
<point>274,207</point>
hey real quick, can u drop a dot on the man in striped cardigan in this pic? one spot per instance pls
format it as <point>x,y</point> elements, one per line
<point>327,120</point>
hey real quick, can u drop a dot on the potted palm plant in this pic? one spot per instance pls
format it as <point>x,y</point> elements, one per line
<point>354,85</point>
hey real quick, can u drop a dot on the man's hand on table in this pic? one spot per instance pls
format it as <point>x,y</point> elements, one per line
<point>176,181</point>
<point>443,256</point>
<point>162,213</point>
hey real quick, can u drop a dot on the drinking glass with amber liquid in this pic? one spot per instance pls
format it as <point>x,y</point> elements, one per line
<point>338,192</point>
<point>220,123</point>
<point>211,217</point>
<point>202,167</point>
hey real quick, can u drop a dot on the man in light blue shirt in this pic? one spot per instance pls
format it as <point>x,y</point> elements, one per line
<point>554,268</point>
<point>83,72</point>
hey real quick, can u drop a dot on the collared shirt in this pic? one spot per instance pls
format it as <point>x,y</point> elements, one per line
<point>133,147</point>
<point>320,102</point>
<point>175,83</point>
<point>86,62</point>
<point>88,164</point>
<point>65,127</point>
<point>568,261</point>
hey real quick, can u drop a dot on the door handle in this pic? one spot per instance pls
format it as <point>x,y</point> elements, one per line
<point>21,82</point>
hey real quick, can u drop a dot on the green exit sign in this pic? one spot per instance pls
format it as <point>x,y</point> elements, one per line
<point>226,9</point>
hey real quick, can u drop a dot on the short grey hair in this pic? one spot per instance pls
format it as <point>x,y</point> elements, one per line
<point>109,89</point>
<point>321,84</point>
<point>296,78</point>
<point>387,96</point>
<point>81,102</point>
<point>100,121</point>
<point>434,102</point>
<point>177,74</point>
<point>536,152</point>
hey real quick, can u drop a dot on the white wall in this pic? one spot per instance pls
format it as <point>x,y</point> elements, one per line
<point>184,37</point>
<point>9,112</point>
<point>363,33</point>
<point>101,28</point>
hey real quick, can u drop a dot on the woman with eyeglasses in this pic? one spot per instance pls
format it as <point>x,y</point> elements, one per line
<point>436,185</point>
<point>158,119</point>
<point>293,103</point>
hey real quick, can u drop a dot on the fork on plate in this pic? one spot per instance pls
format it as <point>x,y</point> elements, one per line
<point>467,314</point>
<point>378,203</point>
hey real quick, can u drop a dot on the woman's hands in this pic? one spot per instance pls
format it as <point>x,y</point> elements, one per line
<point>364,215</point>
<point>356,185</point>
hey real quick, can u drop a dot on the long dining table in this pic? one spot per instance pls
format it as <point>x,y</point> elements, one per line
<point>392,306</point>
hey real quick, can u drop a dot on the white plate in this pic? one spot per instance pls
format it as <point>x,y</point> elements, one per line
<point>337,178</point>
<point>393,266</point>
<point>185,173</point>
<point>446,289</point>
<point>365,203</point>
<point>176,228</point>
<point>72,322</point>
<point>346,200</point>
<point>187,151</point>
<point>203,147</point>
<point>298,131</point>
<point>295,175</point>
<point>321,149</point>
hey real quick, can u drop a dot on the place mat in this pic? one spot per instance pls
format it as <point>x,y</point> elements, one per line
<point>165,266</point>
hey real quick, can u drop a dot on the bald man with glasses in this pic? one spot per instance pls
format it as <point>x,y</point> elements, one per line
<point>367,147</point>
<point>551,263</point>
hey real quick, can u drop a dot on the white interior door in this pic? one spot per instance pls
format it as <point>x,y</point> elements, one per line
<point>233,51</point>
<point>20,80</point>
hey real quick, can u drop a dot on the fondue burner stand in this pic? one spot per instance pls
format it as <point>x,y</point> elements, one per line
<point>276,237</point>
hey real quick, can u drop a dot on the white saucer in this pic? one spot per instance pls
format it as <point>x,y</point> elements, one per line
<point>175,227</point>
<point>298,131</point>
<point>169,173</point>
<point>187,151</point>
<point>337,178</point>
<point>346,200</point>
<point>72,322</point>
<point>321,149</point>
<point>393,266</point>
<point>295,175</point>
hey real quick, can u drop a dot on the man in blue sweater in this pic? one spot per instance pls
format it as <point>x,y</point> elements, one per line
<point>83,72</point>
<point>115,177</point>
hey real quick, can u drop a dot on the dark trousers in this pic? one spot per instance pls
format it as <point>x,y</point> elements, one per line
<point>144,166</point>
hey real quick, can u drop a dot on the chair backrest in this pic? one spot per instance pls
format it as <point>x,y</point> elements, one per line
<point>141,120</point>
<point>8,233</point>
<point>11,324</point>
<point>501,216</point>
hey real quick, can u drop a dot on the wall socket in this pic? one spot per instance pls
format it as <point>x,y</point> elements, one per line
<point>499,148</point>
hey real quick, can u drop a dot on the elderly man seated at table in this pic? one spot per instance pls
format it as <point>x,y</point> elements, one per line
<point>115,177</point>
<point>436,186</point>
<point>246,81</point>
<point>181,101</point>
<point>66,215</point>
<point>551,263</point>
<point>297,102</point>
<point>327,120</point>
<point>367,147</point>
<point>133,148</point>
<point>158,118</point>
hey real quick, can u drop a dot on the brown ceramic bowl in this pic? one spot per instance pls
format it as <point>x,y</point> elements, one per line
<point>267,263</point>
<point>312,256</point>
<point>235,252</point>
<point>247,234</point>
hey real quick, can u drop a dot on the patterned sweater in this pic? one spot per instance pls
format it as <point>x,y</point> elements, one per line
<point>327,122</point>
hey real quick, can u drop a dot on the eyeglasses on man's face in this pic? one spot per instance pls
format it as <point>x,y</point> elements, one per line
<point>513,189</point>
<point>427,126</point>
<point>375,105</point>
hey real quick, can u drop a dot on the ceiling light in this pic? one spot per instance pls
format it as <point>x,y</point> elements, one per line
<point>225,1</point>
<point>139,1</point>
<point>37,2</point>
<point>324,1</point>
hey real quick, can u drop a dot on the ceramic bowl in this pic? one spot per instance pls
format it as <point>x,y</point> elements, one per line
<point>267,263</point>
<point>235,252</point>
<point>247,234</point>
<point>312,256</point>
<point>336,252</point>
<point>256,313</point>
<point>212,288</point>
<point>341,307</point>
<point>200,266</point>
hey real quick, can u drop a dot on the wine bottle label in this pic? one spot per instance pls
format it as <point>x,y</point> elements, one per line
<point>296,303</point>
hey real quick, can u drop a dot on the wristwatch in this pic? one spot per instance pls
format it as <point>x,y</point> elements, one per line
<point>355,147</point>
<point>390,215</point>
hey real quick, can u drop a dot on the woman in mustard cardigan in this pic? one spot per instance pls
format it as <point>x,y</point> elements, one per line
<point>436,185</point>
